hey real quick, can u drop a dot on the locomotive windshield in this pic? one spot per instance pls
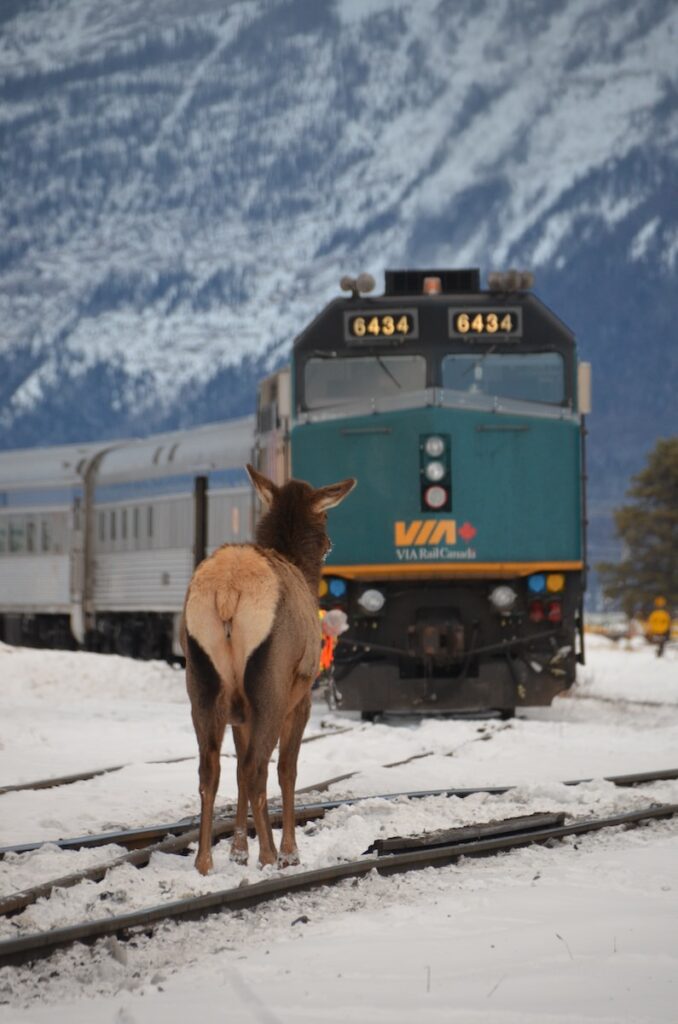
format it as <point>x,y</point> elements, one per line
<point>331,381</point>
<point>524,376</point>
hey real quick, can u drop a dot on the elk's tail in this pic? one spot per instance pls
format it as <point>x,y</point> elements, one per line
<point>230,609</point>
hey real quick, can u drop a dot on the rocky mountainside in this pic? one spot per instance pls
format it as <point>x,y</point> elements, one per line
<point>180,192</point>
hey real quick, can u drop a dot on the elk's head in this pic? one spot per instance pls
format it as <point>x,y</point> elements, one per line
<point>295,521</point>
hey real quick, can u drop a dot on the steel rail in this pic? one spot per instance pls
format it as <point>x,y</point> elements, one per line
<point>17,902</point>
<point>446,837</point>
<point>42,944</point>
<point>67,780</point>
<point>136,838</point>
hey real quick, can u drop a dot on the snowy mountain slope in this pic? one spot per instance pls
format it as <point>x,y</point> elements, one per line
<point>182,191</point>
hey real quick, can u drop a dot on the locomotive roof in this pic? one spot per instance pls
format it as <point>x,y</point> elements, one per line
<point>216,446</point>
<point>460,289</point>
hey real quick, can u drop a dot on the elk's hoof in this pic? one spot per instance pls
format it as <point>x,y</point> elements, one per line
<point>288,860</point>
<point>267,858</point>
<point>203,863</point>
<point>238,855</point>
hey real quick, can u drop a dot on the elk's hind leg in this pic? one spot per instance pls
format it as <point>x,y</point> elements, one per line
<point>209,727</point>
<point>264,736</point>
<point>290,741</point>
<point>208,712</point>
<point>239,845</point>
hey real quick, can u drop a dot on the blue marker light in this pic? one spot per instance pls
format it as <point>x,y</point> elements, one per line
<point>537,584</point>
<point>337,587</point>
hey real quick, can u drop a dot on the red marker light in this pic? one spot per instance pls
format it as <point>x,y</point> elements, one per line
<point>554,612</point>
<point>535,610</point>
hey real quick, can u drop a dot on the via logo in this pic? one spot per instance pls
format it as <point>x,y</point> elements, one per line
<point>425,531</point>
<point>431,531</point>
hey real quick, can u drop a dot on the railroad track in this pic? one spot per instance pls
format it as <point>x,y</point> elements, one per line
<point>177,837</point>
<point>66,780</point>
<point>412,854</point>
<point>138,838</point>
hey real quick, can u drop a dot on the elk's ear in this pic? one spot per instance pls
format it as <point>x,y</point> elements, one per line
<point>264,487</point>
<point>328,497</point>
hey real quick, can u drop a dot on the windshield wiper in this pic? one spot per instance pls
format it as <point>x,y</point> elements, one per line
<point>386,370</point>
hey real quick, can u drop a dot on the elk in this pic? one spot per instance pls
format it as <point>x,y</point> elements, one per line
<point>251,636</point>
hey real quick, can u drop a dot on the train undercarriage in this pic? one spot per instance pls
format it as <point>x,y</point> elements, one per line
<point>438,647</point>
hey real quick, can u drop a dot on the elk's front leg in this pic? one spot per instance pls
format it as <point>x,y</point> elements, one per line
<point>290,741</point>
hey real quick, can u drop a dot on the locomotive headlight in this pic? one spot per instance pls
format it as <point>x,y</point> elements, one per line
<point>434,447</point>
<point>503,598</point>
<point>372,601</point>
<point>435,497</point>
<point>434,471</point>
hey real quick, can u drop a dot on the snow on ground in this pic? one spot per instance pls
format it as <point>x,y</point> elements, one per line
<point>585,931</point>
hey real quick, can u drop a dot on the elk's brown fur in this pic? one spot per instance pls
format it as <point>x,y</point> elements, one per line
<point>251,636</point>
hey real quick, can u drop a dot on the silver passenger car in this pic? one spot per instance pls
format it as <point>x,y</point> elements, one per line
<point>98,542</point>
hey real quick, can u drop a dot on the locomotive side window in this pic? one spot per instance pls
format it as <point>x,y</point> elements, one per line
<point>333,381</point>
<point>523,376</point>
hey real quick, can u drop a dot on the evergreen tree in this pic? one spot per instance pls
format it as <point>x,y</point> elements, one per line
<point>649,530</point>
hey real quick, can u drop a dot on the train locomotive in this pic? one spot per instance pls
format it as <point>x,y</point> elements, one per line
<point>460,559</point>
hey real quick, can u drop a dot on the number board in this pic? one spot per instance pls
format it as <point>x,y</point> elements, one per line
<point>473,324</point>
<point>380,326</point>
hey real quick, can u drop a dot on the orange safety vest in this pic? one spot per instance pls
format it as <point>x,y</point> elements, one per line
<point>659,622</point>
<point>327,649</point>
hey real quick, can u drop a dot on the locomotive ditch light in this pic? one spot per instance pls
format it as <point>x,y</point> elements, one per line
<point>372,601</point>
<point>503,598</point>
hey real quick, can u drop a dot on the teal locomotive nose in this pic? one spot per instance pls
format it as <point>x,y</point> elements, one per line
<point>458,410</point>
